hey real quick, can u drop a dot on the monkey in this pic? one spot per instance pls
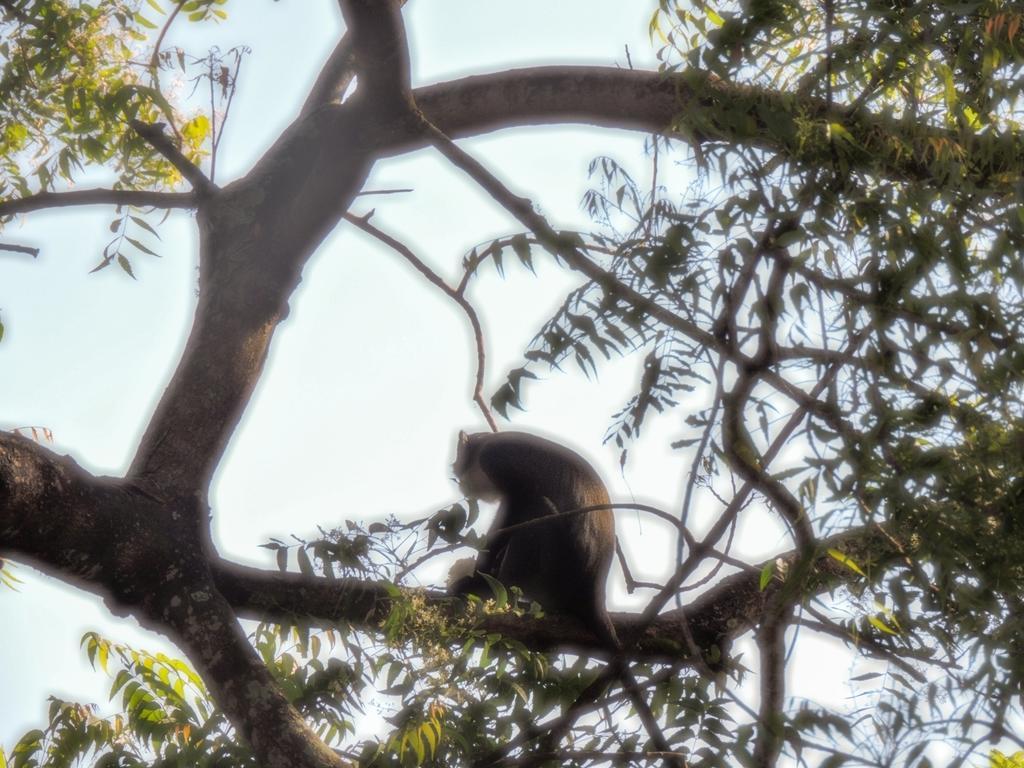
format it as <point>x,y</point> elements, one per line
<point>562,564</point>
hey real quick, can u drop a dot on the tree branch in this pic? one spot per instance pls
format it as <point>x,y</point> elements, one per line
<point>727,610</point>
<point>380,52</point>
<point>334,79</point>
<point>256,235</point>
<point>154,134</point>
<point>206,628</point>
<point>134,197</point>
<point>771,642</point>
<point>455,295</point>
<point>336,75</point>
<point>33,252</point>
<point>557,244</point>
<point>694,105</point>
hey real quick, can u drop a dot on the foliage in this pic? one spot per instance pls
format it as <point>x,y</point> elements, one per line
<point>167,716</point>
<point>999,760</point>
<point>888,311</point>
<point>851,291</point>
<point>438,693</point>
<point>73,77</point>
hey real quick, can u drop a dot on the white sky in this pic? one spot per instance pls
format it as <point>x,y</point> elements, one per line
<point>369,379</point>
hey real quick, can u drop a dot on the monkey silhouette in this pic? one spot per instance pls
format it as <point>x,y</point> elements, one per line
<point>561,563</point>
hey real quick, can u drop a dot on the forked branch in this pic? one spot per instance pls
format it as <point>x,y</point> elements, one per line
<point>154,134</point>
<point>363,223</point>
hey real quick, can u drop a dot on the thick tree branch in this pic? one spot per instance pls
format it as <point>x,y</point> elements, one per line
<point>51,513</point>
<point>380,52</point>
<point>727,610</point>
<point>134,197</point>
<point>698,107</point>
<point>337,74</point>
<point>334,79</point>
<point>255,237</point>
<point>140,554</point>
<point>205,626</point>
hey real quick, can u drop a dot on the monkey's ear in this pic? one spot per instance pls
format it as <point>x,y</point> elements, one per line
<point>463,439</point>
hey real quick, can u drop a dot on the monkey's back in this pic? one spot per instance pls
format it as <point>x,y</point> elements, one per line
<point>562,563</point>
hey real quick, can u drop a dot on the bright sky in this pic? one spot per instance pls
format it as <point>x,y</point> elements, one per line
<point>369,379</point>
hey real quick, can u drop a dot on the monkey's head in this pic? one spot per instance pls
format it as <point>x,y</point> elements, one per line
<point>460,570</point>
<point>472,479</point>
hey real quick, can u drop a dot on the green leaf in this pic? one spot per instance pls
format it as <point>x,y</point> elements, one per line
<point>29,742</point>
<point>865,676</point>
<point>126,265</point>
<point>143,21</point>
<point>500,593</point>
<point>881,626</point>
<point>146,226</point>
<point>766,575</point>
<point>196,130</point>
<point>141,247</point>
<point>835,554</point>
<point>418,747</point>
<point>122,679</point>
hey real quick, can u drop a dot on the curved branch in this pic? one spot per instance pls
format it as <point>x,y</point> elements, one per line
<point>726,611</point>
<point>455,295</point>
<point>380,51</point>
<point>559,245</point>
<point>334,78</point>
<point>243,686</point>
<point>154,61</point>
<point>696,106</point>
<point>26,249</point>
<point>135,197</point>
<point>255,236</point>
<point>34,481</point>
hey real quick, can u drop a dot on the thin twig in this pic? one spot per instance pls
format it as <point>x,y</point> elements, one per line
<point>133,197</point>
<point>384,191</point>
<point>559,245</point>
<point>33,252</point>
<point>154,61</point>
<point>866,644</point>
<point>213,120</point>
<point>556,513</point>
<point>363,222</point>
